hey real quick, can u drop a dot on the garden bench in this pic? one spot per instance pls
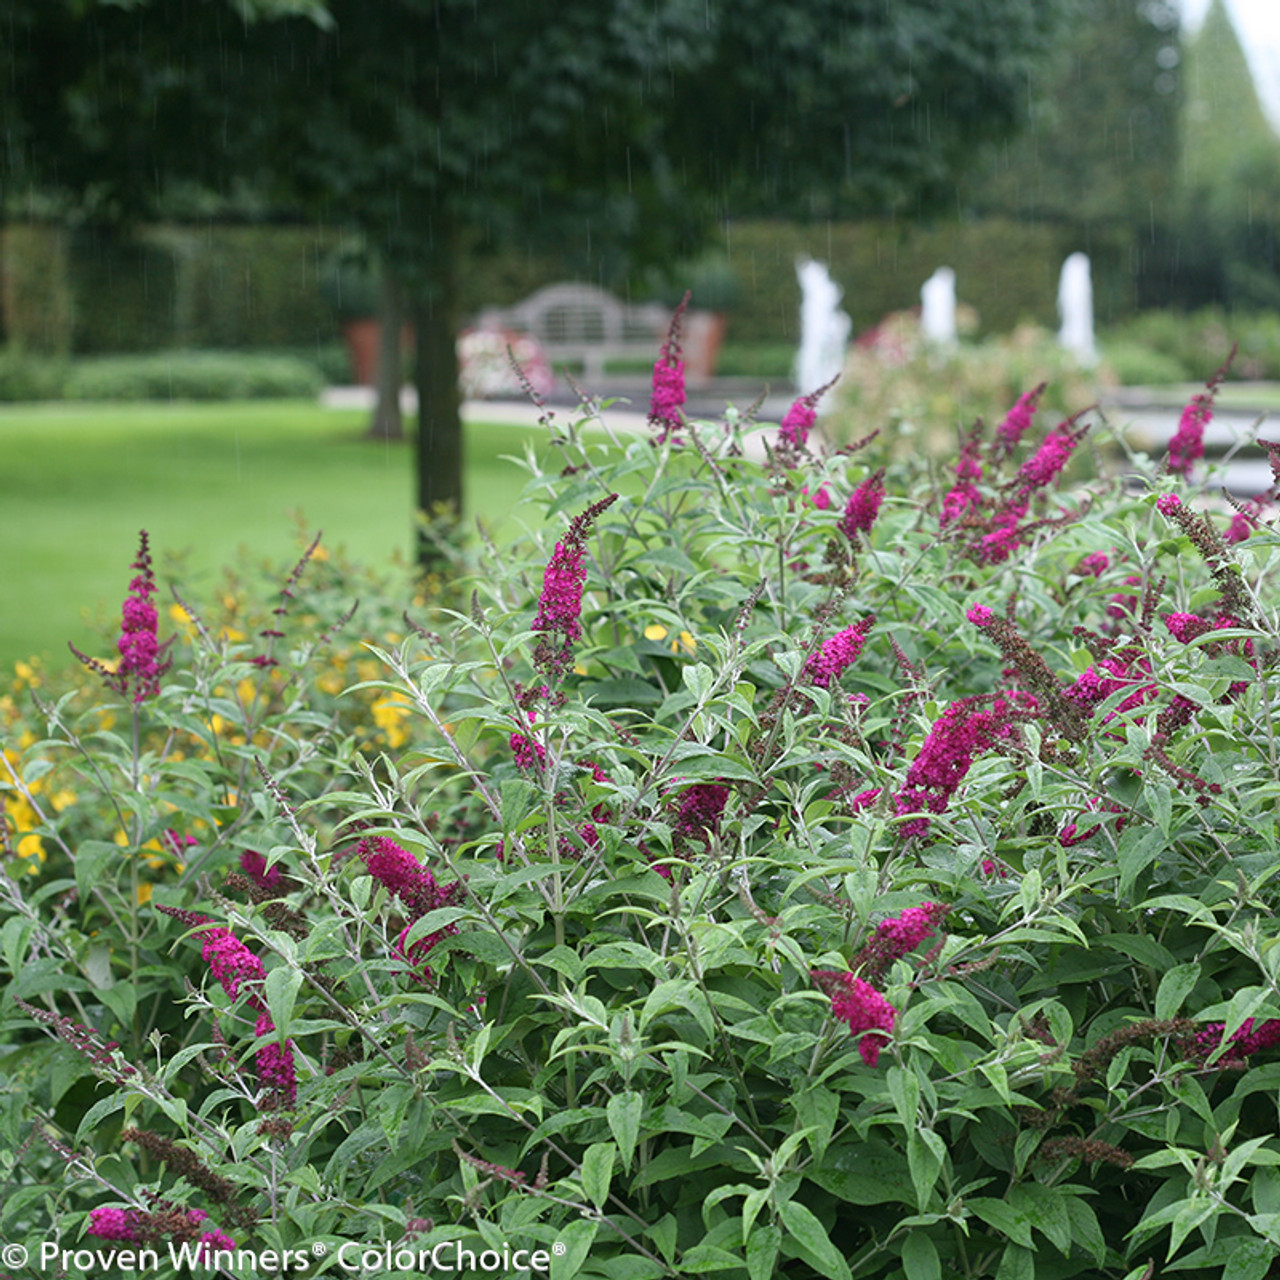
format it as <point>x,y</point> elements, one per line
<point>585,325</point>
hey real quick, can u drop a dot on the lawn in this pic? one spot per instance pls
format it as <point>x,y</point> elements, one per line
<point>204,480</point>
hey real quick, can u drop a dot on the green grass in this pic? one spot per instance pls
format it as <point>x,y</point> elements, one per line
<point>207,480</point>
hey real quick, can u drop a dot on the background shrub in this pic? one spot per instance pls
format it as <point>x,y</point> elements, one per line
<point>193,375</point>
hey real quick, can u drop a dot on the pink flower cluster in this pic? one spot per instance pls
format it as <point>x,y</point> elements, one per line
<point>797,422</point>
<point>275,1066</point>
<point>130,1225</point>
<point>1094,565</point>
<point>140,666</point>
<point>837,654</point>
<point>1128,668</point>
<point>254,865</point>
<point>1018,420</point>
<point>560,604</point>
<point>898,936</point>
<point>401,874</point>
<point>821,499</point>
<point>868,1014</point>
<point>963,731</point>
<point>668,396</point>
<point>229,960</point>
<point>234,965</point>
<point>1046,464</point>
<point>854,1000</point>
<point>1187,445</point>
<point>863,506</point>
<point>1251,1037</point>
<point>701,808</point>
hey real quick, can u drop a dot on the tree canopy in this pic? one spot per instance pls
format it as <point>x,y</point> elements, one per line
<point>625,126</point>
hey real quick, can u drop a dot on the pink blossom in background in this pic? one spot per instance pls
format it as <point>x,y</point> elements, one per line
<point>700,810</point>
<point>229,960</point>
<point>1095,565</point>
<point>1019,419</point>
<point>666,403</point>
<point>560,602</point>
<point>275,1066</point>
<point>214,1242</point>
<point>863,506</point>
<point>797,423</point>
<point>1166,502</point>
<point>254,865</point>
<point>868,1014</point>
<point>112,1224</point>
<point>837,654</point>
<point>141,664</point>
<point>821,499</point>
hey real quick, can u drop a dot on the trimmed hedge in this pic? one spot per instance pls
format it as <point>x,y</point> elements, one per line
<point>193,375</point>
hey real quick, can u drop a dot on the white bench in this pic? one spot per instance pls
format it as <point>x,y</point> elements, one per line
<point>584,324</point>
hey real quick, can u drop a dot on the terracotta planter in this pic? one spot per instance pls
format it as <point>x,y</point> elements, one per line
<point>362,338</point>
<point>703,334</point>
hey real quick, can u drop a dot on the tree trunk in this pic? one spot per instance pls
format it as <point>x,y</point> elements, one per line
<point>439,461</point>
<point>386,423</point>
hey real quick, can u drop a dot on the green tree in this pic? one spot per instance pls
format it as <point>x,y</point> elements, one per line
<point>1101,145</point>
<point>619,127</point>
<point>1228,196</point>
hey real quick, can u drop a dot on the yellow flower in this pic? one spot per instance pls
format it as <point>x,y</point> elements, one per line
<point>144,894</point>
<point>246,691</point>
<point>182,619</point>
<point>390,716</point>
<point>685,644</point>
<point>330,682</point>
<point>27,673</point>
<point>22,818</point>
<point>320,553</point>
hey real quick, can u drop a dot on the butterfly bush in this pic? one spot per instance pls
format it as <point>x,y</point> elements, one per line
<point>911,913</point>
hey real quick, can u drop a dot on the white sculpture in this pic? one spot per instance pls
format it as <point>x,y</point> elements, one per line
<point>1075,306</point>
<point>938,307</point>
<point>824,328</point>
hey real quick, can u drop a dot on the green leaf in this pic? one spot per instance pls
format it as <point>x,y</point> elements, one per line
<point>920,1258</point>
<point>597,1172</point>
<point>1085,1230</point>
<point>807,1232</point>
<point>1249,1259</point>
<point>282,990</point>
<point>623,1113</point>
<point>1003,1218</point>
<point>904,1089</point>
<point>1174,988</point>
<point>762,1252</point>
<point>925,1154</point>
<point>99,1112</point>
<point>1018,1263</point>
<point>577,1238</point>
<point>703,1258</point>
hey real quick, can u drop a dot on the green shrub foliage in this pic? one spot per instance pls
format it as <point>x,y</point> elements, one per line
<point>770,868</point>
<point>193,375</point>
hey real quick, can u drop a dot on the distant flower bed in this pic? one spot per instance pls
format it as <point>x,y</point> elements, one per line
<point>804,867</point>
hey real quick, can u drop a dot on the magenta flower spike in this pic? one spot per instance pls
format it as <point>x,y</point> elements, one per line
<point>855,1002</point>
<point>560,604</point>
<point>1187,446</point>
<point>666,403</point>
<point>863,506</point>
<point>837,654</point>
<point>1018,420</point>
